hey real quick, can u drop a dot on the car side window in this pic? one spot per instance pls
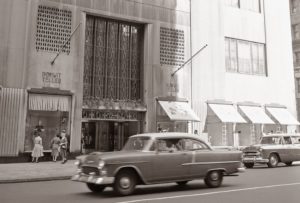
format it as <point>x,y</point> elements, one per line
<point>193,145</point>
<point>296,140</point>
<point>287,140</point>
<point>167,145</point>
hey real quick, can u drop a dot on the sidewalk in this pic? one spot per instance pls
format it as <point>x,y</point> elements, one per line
<point>42,171</point>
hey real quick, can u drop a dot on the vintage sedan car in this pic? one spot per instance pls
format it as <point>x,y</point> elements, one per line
<point>157,158</point>
<point>273,148</point>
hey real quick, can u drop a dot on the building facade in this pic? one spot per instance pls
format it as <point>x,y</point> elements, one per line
<point>107,69</point>
<point>295,25</point>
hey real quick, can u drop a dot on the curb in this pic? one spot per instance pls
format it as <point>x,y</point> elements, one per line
<point>35,179</point>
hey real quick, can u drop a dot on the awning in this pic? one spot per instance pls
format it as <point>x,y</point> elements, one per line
<point>43,102</point>
<point>282,115</point>
<point>227,113</point>
<point>256,114</point>
<point>178,111</point>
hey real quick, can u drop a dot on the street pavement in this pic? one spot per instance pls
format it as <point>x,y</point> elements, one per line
<point>42,171</point>
<point>257,185</point>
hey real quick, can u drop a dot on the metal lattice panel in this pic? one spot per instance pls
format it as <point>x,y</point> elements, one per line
<point>112,60</point>
<point>53,29</point>
<point>171,46</point>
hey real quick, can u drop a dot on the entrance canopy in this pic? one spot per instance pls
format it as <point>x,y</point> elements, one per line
<point>179,111</point>
<point>227,113</point>
<point>256,115</point>
<point>282,115</point>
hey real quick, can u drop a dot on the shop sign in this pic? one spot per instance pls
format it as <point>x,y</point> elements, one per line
<point>110,115</point>
<point>51,79</point>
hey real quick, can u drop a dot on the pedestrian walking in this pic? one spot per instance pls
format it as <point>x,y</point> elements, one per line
<point>63,146</point>
<point>37,151</point>
<point>55,143</point>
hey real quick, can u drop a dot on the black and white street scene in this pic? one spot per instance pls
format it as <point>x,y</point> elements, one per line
<point>149,101</point>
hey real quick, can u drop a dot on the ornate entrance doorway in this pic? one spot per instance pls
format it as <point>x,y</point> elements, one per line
<point>107,136</point>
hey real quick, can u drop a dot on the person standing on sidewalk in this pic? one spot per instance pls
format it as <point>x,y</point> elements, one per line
<point>37,151</point>
<point>54,147</point>
<point>63,146</point>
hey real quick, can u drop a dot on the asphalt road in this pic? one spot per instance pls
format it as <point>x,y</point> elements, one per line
<point>278,185</point>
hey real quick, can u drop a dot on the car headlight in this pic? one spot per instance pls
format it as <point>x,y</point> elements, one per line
<point>101,164</point>
<point>77,162</point>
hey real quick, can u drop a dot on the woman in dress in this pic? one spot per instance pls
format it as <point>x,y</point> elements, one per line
<point>55,142</point>
<point>37,151</point>
<point>63,146</point>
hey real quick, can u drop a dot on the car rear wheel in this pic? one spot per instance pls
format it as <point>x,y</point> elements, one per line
<point>249,165</point>
<point>182,183</point>
<point>95,188</point>
<point>214,179</point>
<point>273,161</point>
<point>289,163</point>
<point>125,182</point>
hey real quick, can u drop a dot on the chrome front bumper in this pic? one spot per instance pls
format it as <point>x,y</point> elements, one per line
<point>255,160</point>
<point>241,170</point>
<point>98,180</point>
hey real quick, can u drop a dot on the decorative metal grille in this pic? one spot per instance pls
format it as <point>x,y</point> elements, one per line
<point>53,29</point>
<point>112,60</point>
<point>111,115</point>
<point>171,46</point>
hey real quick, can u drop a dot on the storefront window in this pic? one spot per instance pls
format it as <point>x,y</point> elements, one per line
<point>47,115</point>
<point>47,123</point>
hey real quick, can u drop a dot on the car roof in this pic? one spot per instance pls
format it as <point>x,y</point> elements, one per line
<point>169,135</point>
<point>281,134</point>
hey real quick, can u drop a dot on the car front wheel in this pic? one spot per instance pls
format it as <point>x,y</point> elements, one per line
<point>214,179</point>
<point>125,182</point>
<point>249,165</point>
<point>95,188</point>
<point>273,161</point>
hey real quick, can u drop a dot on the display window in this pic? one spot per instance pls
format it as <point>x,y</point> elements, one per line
<point>48,124</point>
<point>47,116</point>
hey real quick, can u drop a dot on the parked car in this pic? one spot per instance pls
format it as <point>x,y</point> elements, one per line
<point>273,149</point>
<point>157,158</point>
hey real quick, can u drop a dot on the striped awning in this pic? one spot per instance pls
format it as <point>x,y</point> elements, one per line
<point>44,102</point>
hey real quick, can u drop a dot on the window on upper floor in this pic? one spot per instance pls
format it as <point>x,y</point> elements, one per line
<point>233,3</point>
<point>251,5</point>
<point>294,5</point>
<point>298,85</point>
<point>245,57</point>
<point>296,31</point>
<point>297,58</point>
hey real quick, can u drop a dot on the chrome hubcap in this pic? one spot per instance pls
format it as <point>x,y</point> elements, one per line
<point>273,160</point>
<point>125,182</point>
<point>214,176</point>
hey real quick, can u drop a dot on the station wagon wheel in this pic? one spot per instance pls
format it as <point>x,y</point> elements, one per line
<point>214,179</point>
<point>125,182</point>
<point>249,165</point>
<point>182,183</point>
<point>289,163</point>
<point>95,188</point>
<point>273,161</point>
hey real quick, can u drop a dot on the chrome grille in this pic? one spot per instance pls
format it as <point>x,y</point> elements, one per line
<point>88,170</point>
<point>251,154</point>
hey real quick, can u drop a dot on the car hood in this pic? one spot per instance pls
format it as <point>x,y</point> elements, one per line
<point>252,148</point>
<point>257,147</point>
<point>109,157</point>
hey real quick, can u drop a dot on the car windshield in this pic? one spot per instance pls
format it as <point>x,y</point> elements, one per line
<point>271,140</point>
<point>136,144</point>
